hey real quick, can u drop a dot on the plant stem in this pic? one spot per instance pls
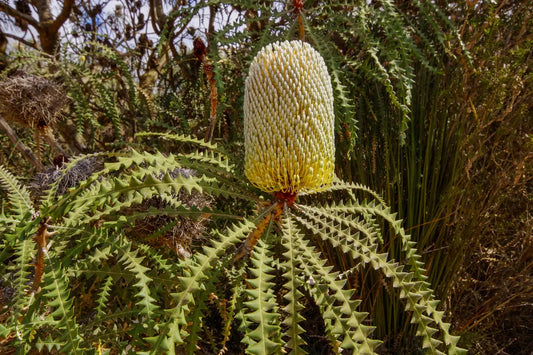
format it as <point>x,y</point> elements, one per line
<point>21,147</point>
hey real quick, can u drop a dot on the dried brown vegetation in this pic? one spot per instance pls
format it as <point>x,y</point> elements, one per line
<point>493,296</point>
<point>32,101</point>
<point>492,299</point>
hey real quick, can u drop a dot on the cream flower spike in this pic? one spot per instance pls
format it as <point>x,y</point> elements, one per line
<point>289,120</point>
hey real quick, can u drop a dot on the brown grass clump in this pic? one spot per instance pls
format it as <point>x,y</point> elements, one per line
<point>31,101</point>
<point>493,299</point>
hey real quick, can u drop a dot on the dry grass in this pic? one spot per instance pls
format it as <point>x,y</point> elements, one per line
<point>494,296</point>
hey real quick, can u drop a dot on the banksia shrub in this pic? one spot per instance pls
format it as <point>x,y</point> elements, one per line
<point>289,120</point>
<point>256,277</point>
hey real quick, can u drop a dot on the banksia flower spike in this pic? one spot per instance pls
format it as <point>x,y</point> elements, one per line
<point>289,120</point>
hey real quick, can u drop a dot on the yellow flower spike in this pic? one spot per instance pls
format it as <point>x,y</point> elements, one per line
<point>289,120</point>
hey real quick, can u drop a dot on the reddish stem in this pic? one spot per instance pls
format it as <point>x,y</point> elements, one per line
<point>285,197</point>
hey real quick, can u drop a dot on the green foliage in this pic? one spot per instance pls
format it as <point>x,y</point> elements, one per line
<point>464,96</point>
<point>261,307</point>
<point>105,287</point>
<point>18,199</point>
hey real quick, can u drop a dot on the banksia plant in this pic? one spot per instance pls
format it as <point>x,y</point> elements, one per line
<point>256,274</point>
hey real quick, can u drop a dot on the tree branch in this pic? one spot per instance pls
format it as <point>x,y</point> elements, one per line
<point>150,76</point>
<point>26,152</point>
<point>63,16</point>
<point>22,40</point>
<point>19,15</point>
<point>211,26</point>
<point>158,16</point>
